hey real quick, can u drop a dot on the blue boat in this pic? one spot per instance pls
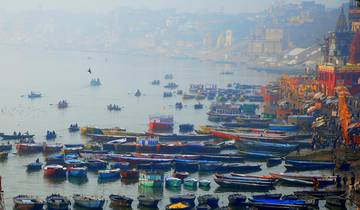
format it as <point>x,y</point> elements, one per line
<point>283,127</point>
<point>273,162</point>
<point>245,179</point>
<point>109,174</point>
<point>268,146</point>
<point>308,165</point>
<point>35,166</point>
<point>283,204</point>
<point>155,166</point>
<point>77,172</point>
<point>74,163</point>
<point>223,158</point>
<point>120,165</point>
<point>209,166</point>
<point>187,166</point>
<point>95,164</point>
<point>5,147</point>
<point>238,167</point>
<point>261,155</point>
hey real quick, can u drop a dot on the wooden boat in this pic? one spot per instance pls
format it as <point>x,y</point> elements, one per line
<point>5,147</point>
<point>74,128</point>
<point>15,136</point>
<point>96,164</point>
<point>204,183</point>
<point>120,201</point>
<point>137,160</point>
<point>245,179</point>
<point>187,166</point>
<point>270,137</point>
<point>253,176</point>
<point>34,166</point>
<point>308,165</point>
<point>282,204</point>
<point>335,201</point>
<point>173,182</point>
<point>62,104</point>
<point>120,165</point>
<point>184,137</point>
<point>3,155</point>
<point>319,193</point>
<point>25,148</point>
<point>89,201</point>
<point>130,174</point>
<point>33,95</point>
<point>223,158</point>
<point>181,174</point>
<point>190,182</point>
<point>260,155</point>
<point>188,198</point>
<point>54,171</point>
<point>57,202</point>
<point>239,167</point>
<point>27,202</point>
<point>109,174</point>
<point>267,146</point>
<point>295,178</point>
<point>151,178</point>
<point>178,206</point>
<point>236,200</point>
<point>297,182</point>
<point>283,127</point>
<point>148,201</point>
<point>155,166</point>
<point>273,162</point>
<point>52,148</point>
<point>226,183</point>
<point>267,196</point>
<point>211,200</point>
<point>77,171</point>
<point>209,166</point>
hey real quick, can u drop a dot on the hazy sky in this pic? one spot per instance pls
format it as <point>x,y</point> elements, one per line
<point>228,6</point>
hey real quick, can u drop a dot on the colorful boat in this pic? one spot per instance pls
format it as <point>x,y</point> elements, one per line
<point>178,206</point>
<point>130,174</point>
<point>258,155</point>
<point>120,201</point>
<point>151,178</point>
<point>148,201</point>
<point>284,127</point>
<point>155,166</point>
<point>89,201</point>
<point>161,123</point>
<point>244,185</point>
<point>52,148</point>
<point>297,182</point>
<point>188,198</point>
<point>323,180</point>
<point>77,171</point>
<point>3,155</point>
<point>283,204</point>
<point>55,171</point>
<point>57,202</point>
<point>173,182</point>
<point>245,179</point>
<point>267,146</point>
<point>26,148</point>
<point>239,167</point>
<point>5,147</point>
<point>190,182</point>
<point>34,166</point>
<point>109,174</point>
<point>28,202</point>
<point>204,183</point>
<point>96,164</point>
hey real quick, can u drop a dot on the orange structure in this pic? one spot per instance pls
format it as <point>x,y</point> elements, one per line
<point>344,114</point>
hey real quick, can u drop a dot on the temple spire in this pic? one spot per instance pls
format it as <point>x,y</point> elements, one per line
<point>341,24</point>
<point>355,50</point>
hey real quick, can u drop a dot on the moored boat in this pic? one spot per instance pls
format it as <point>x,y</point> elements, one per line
<point>282,204</point>
<point>57,202</point>
<point>151,178</point>
<point>89,201</point>
<point>27,202</point>
<point>181,174</point>
<point>190,182</point>
<point>120,201</point>
<point>239,167</point>
<point>55,171</point>
<point>148,201</point>
<point>34,166</point>
<point>204,183</point>
<point>77,171</point>
<point>178,206</point>
<point>130,174</point>
<point>188,198</point>
<point>244,185</point>
<point>96,164</point>
<point>211,200</point>
<point>109,174</point>
<point>5,147</point>
<point>4,155</point>
<point>166,166</point>
<point>319,193</point>
<point>273,162</point>
<point>173,182</point>
<point>308,165</point>
<point>222,158</point>
<point>258,155</point>
<point>209,166</point>
<point>267,196</point>
<point>26,148</point>
<point>236,200</point>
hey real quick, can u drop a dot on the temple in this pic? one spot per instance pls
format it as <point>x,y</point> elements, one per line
<point>341,54</point>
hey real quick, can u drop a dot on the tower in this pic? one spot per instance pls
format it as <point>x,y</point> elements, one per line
<point>355,50</point>
<point>341,23</point>
<point>228,38</point>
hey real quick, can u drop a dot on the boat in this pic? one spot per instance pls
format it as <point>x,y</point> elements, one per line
<point>181,174</point>
<point>254,176</point>
<point>167,94</point>
<point>283,204</point>
<point>120,165</point>
<point>27,202</point>
<point>77,171</point>
<point>161,123</point>
<point>26,148</point>
<point>57,202</point>
<point>308,165</point>
<point>319,193</point>
<point>267,196</point>
<point>5,147</point>
<point>284,127</point>
<point>190,182</point>
<point>148,201</point>
<point>338,202</point>
<point>96,164</point>
<point>3,155</point>
<point>52,148</point>
<point>137,93</point>
<point>198,106</point>
<point>171,85</point>
<point>204,183</point>
<point>256,136</point>
<point>168,76</point>
<point>239,167</point>
<point>109,174</point>
<point>236,200</point>
<point>120,201</point>
<point>166,166</point>
<point>151,178</point>
<point>273,162</point>
<point>209,166</point>
<point>95,82</point>
<point>173,182</point>
<point>50,135</point>
<point>257,155</point>
<point>289,177</point>
<point>183,137</point>
<point>190,166</point>
<point>74,128</point>
<point>113,107</point>
<point>155,82</point>
<point>267,146</point>
<point>89,201</point>
<point>244,185</point>
<point>210,200</point>
<point>188,198</point>
<point>55,171</point>
<point>188,96</point>
<point>223,158</point>
<point>34,166</point>
<point>63,104</point>
<point>297,182</point>
<point>130,174</point>
<point>33,95</point>
<point>178,206</point>
<point>178,105</point>
<point>15,136</point>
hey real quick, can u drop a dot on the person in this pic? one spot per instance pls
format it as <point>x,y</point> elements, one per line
<point>345,181</point>
<point>352,180</point>
<point>316,184</point>
<point>37,160</point>
<point>338,181</point>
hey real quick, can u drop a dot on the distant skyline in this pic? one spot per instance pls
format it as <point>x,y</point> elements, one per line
<point>227,6</point>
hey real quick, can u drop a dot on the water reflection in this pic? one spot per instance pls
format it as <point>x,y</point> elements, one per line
<point>78,180</point>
